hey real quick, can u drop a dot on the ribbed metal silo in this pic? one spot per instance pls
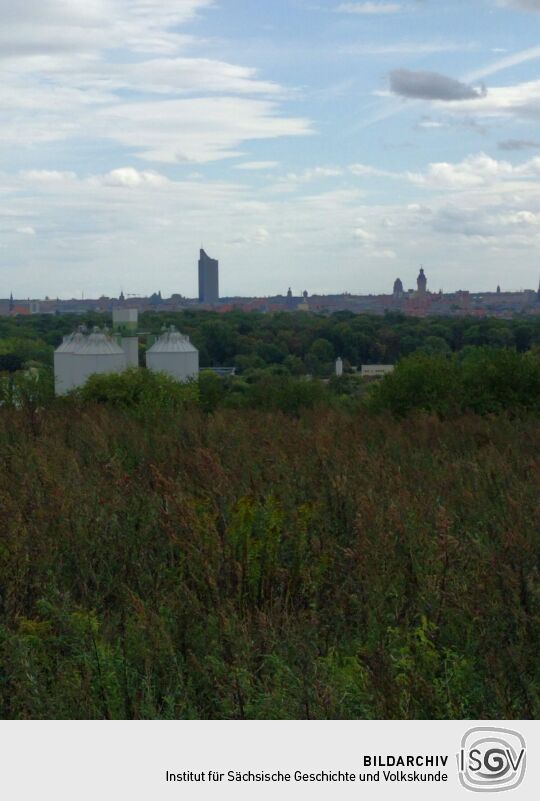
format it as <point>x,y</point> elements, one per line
<point>80,356</point>
<point>175,355</point>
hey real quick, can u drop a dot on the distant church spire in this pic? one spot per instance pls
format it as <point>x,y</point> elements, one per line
<point>11,302</point>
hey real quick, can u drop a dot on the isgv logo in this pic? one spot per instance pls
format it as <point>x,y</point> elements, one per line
<point>491,760</point>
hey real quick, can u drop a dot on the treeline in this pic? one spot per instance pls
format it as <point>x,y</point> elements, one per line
<point>265,565</point>
<point>296,343</point>
<point>482,380</point>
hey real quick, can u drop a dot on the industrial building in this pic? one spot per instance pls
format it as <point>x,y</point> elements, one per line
<point>376,370</point>
<point>82,354</point>
<point>208,279</point>
<point>125,323</point>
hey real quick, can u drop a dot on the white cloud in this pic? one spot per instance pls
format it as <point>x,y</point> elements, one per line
<point>129,221</point>
<point>365,169</point>
<point>256,236</point>
<point>83,26</point>
<point>520,100</point>
<point>257,165</point>
<point>61,83</point>
<point>131,178</point>
<point>195,130</point>
<point>48,176</point>
<point>295,181</point>
<point>314,173</point>
<point>426,122</point>
<point>27,230</point>
<point>474,171</point>
<point>192,75</point>
<point>363,235</point>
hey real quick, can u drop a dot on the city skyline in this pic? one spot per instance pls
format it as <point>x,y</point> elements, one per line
<point>419,301</point>
<point>332,145</point>
<point>208,279</point>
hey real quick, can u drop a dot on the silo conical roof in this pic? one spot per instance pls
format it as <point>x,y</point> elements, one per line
<point>95,345</point>
<point>67,344</point>
<point>173,342</point>
<point>70,342</point>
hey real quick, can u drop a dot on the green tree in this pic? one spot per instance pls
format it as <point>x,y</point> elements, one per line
<point>420,381</point>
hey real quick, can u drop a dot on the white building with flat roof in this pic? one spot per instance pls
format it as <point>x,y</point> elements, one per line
<point>376,370</point>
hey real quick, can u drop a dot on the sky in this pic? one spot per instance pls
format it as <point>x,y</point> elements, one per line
<point>324,145</point>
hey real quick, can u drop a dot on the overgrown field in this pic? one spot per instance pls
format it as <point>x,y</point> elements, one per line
<point>258,565</point>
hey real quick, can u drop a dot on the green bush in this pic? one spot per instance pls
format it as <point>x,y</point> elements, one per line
<point>421,381</point>
<point>484,380</point>
<point>140,391</point>
<point>498,380</point>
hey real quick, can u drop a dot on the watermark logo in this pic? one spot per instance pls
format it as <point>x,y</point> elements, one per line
<point>491,760</point>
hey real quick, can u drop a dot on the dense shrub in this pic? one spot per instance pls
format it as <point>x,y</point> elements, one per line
<point>484,380</point>
<point>141,391</point>
<point>421,381</point>
<point>496,380</point>
<point>263,565</point>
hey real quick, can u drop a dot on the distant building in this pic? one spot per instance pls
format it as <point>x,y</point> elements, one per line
<point>417,302</point>
<point>376,370</point>
<point>421,282</point>
<point>125,323</point>
<point>304,305</point>
<point>208,279</point>
<point>290,300</point>
<point>17,311</point>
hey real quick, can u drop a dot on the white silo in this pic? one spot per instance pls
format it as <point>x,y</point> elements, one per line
<point>63,373</point>
<point>339,366</point>
<point>174,354</point>
<point>81,356</point>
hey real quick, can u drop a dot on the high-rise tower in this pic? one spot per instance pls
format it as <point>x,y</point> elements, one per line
<point>208,279</point>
